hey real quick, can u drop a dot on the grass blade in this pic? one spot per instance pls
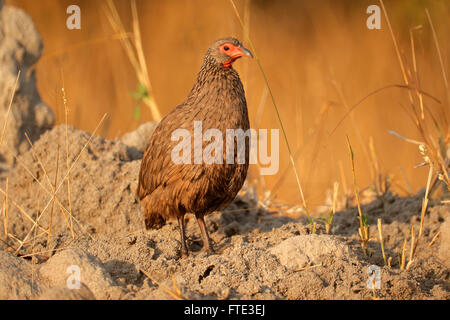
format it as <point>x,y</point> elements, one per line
<point>291,157</point>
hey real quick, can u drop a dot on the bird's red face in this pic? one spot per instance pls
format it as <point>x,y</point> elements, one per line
<point>233,52</point>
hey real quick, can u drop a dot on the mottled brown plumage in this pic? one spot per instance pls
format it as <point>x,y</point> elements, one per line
<point>169,190</point>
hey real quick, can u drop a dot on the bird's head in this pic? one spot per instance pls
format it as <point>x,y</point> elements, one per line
<point>227,50</point>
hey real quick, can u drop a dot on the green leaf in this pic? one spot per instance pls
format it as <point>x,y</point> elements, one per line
<point>142,90</point>
<point>365,220</point>
<point>330,216</point>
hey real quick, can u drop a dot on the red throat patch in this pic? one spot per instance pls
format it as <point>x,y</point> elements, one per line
<point>228,63</point>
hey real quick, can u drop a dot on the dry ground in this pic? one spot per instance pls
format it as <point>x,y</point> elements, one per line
<point>261,254</point>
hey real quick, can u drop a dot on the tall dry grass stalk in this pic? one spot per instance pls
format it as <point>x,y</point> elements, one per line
<point>441,62</point>
<point>444,140</point>
<point>435,143</point>
<point>135,54</point>
<point>397,50</point>
<point>416,73</point>
<point>414,241</point>
<point>54,194</point>
<point>411,251</point>
<point>425,200</point>
<point>69,197</point>
<point>380,235</point>
<point>266,81</point>
<point>363,230</point>
<point>354,125</point>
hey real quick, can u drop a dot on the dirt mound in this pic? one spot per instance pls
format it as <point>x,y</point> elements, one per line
<point>103,177</point>
<point>260,254</point>
<point>16,277</point>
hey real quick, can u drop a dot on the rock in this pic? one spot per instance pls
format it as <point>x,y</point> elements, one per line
<point>139,138</point>
<point>16,278</point>
<point>20,48</point>
<point>300,251</point>
<point>91,272</point>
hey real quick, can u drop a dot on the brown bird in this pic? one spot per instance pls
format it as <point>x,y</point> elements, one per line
<point>169,189</point>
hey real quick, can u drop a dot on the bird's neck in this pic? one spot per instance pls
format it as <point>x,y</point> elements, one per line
<point>213,82</point>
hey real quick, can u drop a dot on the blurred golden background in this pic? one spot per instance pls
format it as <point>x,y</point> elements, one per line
<point>319,58</point>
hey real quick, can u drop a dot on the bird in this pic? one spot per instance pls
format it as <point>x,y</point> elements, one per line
<point>170,190</point>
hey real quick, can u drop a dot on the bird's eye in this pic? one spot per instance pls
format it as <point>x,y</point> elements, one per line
<point>226,48</point>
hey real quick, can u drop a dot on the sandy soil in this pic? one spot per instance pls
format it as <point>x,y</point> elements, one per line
<point>261,254</point>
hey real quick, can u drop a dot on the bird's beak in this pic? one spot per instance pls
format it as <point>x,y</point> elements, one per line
<point>246,52</point>
<point>240,52</point>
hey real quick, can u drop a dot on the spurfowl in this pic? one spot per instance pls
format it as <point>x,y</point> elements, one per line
<point>170,189</point>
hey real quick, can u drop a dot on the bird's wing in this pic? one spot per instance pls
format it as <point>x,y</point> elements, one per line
<point>157,165</point>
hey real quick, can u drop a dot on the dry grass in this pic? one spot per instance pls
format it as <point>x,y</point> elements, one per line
<point>433,240</point>
<point>69,197</point>
<point>135,55</point>
<point>363,230</point>
<point>380,235</point>
<point>435,140</point>
<point>52,193</point>
<point>54,190</point>
<point>175,292</point>
<point>283,130</point>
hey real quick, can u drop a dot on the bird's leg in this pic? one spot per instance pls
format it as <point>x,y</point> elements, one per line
<point>181,224</point>
<point>205,237</point>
